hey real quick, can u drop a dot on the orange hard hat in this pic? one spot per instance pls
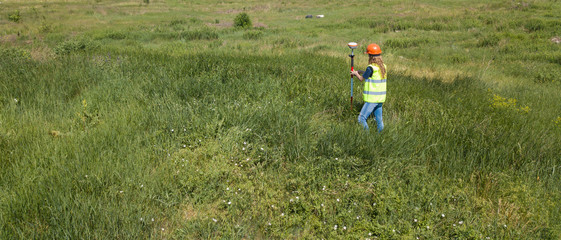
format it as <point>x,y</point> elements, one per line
<point>373,49</point>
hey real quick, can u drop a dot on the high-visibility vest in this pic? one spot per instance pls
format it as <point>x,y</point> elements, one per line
<point>375,86</point>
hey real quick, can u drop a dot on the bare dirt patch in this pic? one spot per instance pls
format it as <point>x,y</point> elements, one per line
<point>10,38</point>
<point>556,40</point>
<point>260,25</point>
<point>42,54</point>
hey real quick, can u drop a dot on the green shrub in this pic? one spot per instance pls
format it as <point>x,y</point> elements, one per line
<point>242,20</point>
<point>15,17</point>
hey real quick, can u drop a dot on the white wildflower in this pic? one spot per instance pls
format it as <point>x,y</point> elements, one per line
<point>461,222</point>
<point>335,227</point>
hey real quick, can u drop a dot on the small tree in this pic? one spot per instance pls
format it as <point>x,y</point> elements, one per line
<point>242,20</point>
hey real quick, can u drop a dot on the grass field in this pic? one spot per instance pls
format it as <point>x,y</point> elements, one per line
<point>162,120</point>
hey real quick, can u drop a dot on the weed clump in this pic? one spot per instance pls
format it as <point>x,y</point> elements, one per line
<point>75,45</point>
<point>15,17</point>
<point>253,35</point>
<point>489,41</point>
<point>201,34</point>
<point>534,25</point>
<point>242,20</point>
<point>14,55</point>
<point>499,102</point>
<point>405,42</point>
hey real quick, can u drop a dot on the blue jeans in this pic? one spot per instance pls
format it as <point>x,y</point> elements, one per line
<point>365,112</point>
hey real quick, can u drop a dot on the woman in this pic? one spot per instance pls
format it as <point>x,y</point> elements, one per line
<point>374,93</point>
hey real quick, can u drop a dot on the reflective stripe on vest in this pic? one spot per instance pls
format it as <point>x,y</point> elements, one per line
<point>375,86</point>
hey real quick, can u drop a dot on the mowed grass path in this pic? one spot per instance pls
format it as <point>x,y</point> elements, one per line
<point>189,129</point>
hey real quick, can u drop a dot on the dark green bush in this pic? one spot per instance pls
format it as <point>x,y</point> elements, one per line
<point>242,20</point>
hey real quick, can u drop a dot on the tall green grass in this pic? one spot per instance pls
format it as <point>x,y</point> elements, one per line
<point>214,145</point>
<point>177,127</point>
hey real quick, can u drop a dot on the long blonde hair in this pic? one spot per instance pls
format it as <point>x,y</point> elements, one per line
<point>377,59</point>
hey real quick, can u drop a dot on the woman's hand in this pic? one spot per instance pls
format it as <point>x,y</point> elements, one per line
<point>355,73</point>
